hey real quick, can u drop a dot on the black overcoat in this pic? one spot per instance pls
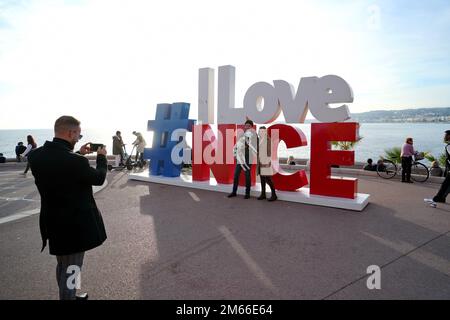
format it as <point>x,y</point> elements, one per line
<point>69,217</point>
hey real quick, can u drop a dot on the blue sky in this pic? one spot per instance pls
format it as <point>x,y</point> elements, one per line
<point>96,58</point>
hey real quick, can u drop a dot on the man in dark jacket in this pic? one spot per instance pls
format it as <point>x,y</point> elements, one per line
<point>69,218</point>
<point>118,148</point>
<point>20,148</point>
<point>444,190</point>
<point>243,159</point>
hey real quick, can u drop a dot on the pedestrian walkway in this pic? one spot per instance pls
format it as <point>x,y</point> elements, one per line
<point>19,197</point>
<point>168,242</point>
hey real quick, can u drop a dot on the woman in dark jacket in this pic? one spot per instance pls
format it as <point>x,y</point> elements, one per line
<point>264,168</point>
<point>30,147</point>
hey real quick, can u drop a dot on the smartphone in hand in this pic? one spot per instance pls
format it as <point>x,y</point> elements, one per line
<point>95,146</point>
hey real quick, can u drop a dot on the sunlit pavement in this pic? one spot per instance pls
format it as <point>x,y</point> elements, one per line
<point>175,243</point>
<point>18,193</point>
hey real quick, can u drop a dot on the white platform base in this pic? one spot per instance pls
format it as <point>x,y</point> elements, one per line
<point>301,196</point>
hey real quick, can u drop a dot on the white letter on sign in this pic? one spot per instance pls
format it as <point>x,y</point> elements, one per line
<point>257,94</point>
<point>206,96</point>
<point>330,89</point>
<point>295,107</point>
<point>227,113</point>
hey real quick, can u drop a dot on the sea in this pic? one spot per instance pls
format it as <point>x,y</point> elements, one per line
<point>376,138</point>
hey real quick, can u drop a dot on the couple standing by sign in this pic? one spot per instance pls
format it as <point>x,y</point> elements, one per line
<point>246,146</point>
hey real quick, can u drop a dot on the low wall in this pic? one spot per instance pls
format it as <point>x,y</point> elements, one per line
<point>12,162</point>
<point>354,172</point>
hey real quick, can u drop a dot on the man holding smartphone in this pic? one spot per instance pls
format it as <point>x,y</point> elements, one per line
<point>69,219</point>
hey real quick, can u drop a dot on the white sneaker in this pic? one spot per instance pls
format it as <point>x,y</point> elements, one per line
<point>430,202</point>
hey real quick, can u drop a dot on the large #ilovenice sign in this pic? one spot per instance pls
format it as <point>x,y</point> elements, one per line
<point>212,152</point>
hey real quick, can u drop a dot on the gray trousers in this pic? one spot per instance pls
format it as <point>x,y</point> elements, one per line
<point>67,269</point>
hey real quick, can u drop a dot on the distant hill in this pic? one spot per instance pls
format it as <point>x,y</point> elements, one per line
<point>407,115</point>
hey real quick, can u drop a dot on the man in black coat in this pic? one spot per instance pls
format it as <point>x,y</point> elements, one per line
<point>20,148</point>
<point>69,218</point>
<point>244,163</point>
<point>444,190</point>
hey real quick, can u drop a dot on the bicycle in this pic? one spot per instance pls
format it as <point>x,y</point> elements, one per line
<point>388,169</point>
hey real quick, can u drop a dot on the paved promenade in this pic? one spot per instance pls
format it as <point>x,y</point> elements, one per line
<point>167,242</point>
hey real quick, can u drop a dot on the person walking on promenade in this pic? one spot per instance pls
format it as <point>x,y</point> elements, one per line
<point>30,147</point>
<point>264,168</point>
<point>20,148</point>
<point>444,190</point>
<point>140,146</point>
<point>406,155</point>
<point>242,153</point>
<point>118,148</point>
<point>69,219</point>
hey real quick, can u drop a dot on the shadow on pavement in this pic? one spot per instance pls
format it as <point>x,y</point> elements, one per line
<point>220,248</point>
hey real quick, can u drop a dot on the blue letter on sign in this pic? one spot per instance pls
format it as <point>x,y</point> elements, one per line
<point>169,117</point>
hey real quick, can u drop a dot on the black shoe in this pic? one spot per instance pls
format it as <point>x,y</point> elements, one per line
<point>231,195</point>
<point>262,197</point>
<point>409,181</point>
<point>247,196</point>
<point>83,296</point>
<point>273,197</point>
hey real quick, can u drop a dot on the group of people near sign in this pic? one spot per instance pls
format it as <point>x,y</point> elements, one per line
<point>23,152</point>
<point>119,150</point>
<point>250,145</point>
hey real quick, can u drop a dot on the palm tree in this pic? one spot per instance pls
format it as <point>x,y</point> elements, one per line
<point>429,156</point>
<point>393,154</point>
<point>345,145</point>
<point>442,159</point>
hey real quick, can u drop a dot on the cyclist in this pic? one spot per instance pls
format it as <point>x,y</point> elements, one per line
<point>140,146</point>
<point>407,153</point>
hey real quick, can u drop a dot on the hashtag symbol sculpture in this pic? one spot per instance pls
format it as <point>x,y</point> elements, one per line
<point>169,117</point>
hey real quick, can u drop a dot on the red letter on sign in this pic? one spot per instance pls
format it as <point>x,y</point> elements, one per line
<point>322,134</point>
<point>222,171</point>
<point>293,137</point>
